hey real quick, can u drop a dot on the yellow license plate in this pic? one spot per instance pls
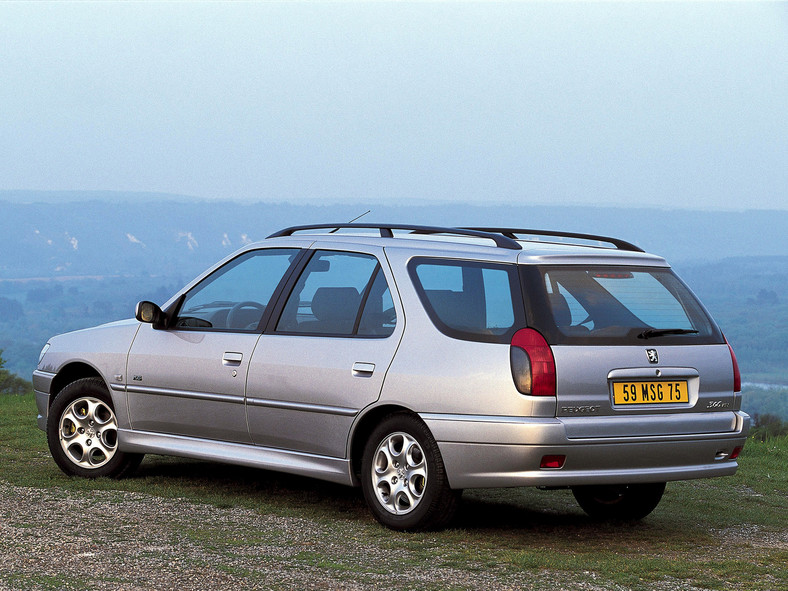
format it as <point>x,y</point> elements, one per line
<point>658,392</point>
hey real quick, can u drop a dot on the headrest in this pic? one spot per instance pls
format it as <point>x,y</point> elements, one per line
<point>332,304</point>
<point>561,312</point>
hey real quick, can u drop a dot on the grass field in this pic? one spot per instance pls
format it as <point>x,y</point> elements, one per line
<point>726,533</point>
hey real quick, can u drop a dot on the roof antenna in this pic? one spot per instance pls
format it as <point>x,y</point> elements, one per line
<point>351,221</point>
<point>359,217</point>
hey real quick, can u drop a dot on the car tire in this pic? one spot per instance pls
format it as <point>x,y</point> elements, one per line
<point>82,432</point>
<point>619,502</point>
<point>403,476</point>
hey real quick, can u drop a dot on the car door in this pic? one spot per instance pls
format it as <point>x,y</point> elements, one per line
<point>189,379</point>
<point>325,353</point>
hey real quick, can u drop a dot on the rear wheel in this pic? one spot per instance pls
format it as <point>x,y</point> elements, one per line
<point>403,476</point>
<point>624,502</point>
<point>82,432</point>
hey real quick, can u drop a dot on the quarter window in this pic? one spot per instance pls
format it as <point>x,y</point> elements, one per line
<point>470,300</point>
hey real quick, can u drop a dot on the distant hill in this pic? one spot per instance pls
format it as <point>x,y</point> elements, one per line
<point>56,235</point>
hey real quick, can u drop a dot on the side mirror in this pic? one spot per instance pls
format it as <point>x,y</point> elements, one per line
<point>150,313</point>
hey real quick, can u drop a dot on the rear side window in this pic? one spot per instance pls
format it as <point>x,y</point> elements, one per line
<point>340,294</point>
<point>620,305</point>
<point>470,300</point>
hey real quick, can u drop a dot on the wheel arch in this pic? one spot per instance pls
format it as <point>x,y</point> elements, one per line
<point>71,373</point>
<point>363,429</point>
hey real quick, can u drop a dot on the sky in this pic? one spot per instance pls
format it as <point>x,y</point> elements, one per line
<point>665,105</point>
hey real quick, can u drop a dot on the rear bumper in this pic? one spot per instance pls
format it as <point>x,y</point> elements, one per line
<point>481,452</point>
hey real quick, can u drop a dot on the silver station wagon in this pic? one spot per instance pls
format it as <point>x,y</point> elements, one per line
<point>415,362</point>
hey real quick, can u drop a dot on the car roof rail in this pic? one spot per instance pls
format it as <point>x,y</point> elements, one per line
<point>513,232</point>
<point>387,231</point>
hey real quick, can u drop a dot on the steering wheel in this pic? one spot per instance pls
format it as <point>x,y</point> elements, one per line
<point>234,314</point>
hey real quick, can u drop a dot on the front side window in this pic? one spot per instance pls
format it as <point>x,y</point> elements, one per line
<point>339,294</point>
<point>470,300</point>
<point>235,296</point>
<point>621,305</point>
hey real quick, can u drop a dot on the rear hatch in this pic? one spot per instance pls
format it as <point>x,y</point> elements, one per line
<point>635,352</point>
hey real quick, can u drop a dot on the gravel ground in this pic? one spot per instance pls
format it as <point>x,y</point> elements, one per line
<point>56,539</point>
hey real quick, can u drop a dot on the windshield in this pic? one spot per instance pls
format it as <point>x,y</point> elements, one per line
<point>620,305</point>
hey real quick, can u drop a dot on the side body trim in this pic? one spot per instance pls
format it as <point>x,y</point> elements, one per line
<point>186,394</point>
<point>322,467</point>
<point>319,408</point>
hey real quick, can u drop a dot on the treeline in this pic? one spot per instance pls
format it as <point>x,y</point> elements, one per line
<point>11,383</point>
<point>768,426</point>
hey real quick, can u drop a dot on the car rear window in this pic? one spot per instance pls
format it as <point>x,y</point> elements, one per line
<point>619,305</point>
<point>470,300</point>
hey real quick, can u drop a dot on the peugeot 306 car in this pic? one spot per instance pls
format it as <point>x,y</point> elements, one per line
<point>414,362</point>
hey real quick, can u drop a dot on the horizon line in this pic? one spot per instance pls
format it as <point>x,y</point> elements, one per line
<point>78,195</point>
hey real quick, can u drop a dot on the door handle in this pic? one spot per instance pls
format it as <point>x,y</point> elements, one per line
<point>363,370</point>
<point>231,358</point>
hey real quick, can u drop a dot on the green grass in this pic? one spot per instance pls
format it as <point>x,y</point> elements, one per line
<point>711,534</point>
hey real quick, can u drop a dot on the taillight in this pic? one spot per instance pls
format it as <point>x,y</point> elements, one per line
<point>736,372</point>
<point>533,365</point>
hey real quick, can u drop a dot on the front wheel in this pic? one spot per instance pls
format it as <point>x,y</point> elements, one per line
<point>403,477</point>
<point>82,432</point>
<point>621,502</point>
